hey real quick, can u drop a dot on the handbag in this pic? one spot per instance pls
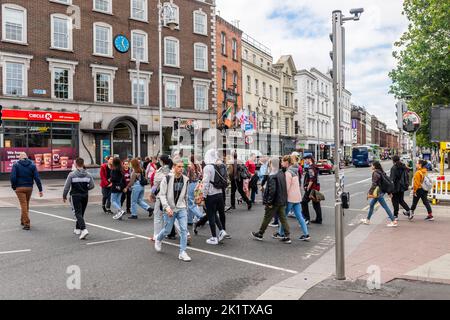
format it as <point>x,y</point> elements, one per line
<point>316,196</point>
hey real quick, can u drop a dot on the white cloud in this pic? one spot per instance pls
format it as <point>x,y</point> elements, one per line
<point>302,27</point>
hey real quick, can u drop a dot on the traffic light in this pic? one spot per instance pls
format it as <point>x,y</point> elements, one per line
<point>1,115</point>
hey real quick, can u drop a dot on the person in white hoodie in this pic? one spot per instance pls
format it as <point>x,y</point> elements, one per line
<point>173,195</point>
<point>214,181</point>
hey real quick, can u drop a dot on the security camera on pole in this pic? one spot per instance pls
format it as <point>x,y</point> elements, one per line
<point>338,57</point>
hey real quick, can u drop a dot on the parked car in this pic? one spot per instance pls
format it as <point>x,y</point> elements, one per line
<point>325,166</point>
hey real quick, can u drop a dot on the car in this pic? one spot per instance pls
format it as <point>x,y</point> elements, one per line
<point>325,166</point>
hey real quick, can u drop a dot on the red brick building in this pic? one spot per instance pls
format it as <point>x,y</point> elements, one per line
<point>229,72</point>
<point>62,56</point>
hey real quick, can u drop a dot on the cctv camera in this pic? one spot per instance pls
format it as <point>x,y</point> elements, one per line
<point>357,11</point>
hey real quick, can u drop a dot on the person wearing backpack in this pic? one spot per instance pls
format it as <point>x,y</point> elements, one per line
<point>238,173</point>
<point>194,173</point>
<point>381,184</point>
<point>421,186</point>
<point>137,184</point>
<point>214,180</point>
<point>400,178</point>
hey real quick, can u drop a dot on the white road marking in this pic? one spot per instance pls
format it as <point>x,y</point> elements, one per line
<point>109,241</point>
<point>16,251</point>
<point>173,244</point>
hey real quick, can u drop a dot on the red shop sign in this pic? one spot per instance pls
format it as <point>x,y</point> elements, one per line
<point>29,115</point>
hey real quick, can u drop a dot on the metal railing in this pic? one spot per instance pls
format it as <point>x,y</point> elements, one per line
<point>255,43</point>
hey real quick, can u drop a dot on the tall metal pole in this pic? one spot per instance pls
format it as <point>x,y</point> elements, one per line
<point>318,132</point>
<point>337,93</point>
<point>138,66</point>
<point>414,153</point>
<point>160,12</point>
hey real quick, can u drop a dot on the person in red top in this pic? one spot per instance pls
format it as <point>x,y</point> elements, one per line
<point>253,185</point>
<point>105,184</point>
<point>127,177</point>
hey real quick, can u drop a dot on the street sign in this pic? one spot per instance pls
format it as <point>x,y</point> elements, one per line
<point>39,91</point>
<point>235,134</point>
<point>248,140</point>
<point>411,122</point>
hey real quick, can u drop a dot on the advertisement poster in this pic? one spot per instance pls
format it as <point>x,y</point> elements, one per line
<point>105,148</point>
<point>45,159</point>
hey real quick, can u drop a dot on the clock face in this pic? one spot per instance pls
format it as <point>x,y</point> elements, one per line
<point>121,44</point>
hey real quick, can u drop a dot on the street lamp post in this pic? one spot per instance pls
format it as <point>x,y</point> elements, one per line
<point>172,23</point>
<point>138,67</point>
<point>338,85</point>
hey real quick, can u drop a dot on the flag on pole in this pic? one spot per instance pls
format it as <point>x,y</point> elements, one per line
<point>226,117</point>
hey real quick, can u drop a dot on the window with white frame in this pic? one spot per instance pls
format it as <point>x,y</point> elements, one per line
<point>62,72</point>
<point>61,83</point>
<point>271,92</point>
<point>172,85</point>
<point>140,87</point>
<point>261,62</point>
<point>15,73</point>
<point>200,22</point>
<point>139,42</point>
<point>14,23</point>
<point>257,87</point>
<point>172,52</point>
<point>264,90</point>
<point>234,49</point>
<point>139,10</point>
<point>235,81</point>
<point>224,78</point>
<point>223,43</point>
<point>200,57</point>
<point>61,32</point>
<point>102,39</point>
<point>104,83</point>
<point>104,6</point>
<point>173,13</point>
<point>249,84</point>
<point>246,54</point>
<point>201,92</point>
<point>15,79</point>
<point>277,94</point>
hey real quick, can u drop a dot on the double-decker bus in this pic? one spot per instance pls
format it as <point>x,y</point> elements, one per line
<point>364,156</point>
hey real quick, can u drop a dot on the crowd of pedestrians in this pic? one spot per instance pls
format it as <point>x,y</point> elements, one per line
<point>184,194</point>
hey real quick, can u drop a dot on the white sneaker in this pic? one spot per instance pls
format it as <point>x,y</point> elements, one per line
<point>365,221</point>
<point>213,241</point>
<point>118,215</point>
<point>77,231</point>
<point>392,224</point>
<point>158,245</point>
<point>83,234</point>
<point>184,256</point>
<point>222,235</point>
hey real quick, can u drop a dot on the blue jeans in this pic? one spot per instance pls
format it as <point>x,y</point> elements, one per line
<point>383,203</point>
<point>137,198</point>
<point>298,214</point>
<point>193,209</point>
<point>116,200</point>
<point>181,216</point>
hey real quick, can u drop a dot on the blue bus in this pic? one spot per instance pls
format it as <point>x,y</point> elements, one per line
<point>363,156</point>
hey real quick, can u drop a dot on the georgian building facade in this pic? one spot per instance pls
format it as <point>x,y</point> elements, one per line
<point>61,57</point>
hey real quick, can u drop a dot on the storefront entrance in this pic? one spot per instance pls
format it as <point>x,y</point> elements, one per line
<point>123,140</point>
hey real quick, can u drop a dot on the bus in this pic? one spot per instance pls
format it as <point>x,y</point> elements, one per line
<point>364,156</point>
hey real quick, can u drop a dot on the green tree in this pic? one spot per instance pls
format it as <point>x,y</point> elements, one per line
<point>422,75</point>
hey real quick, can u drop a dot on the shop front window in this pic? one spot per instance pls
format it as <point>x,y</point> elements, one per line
<point>51,146</point>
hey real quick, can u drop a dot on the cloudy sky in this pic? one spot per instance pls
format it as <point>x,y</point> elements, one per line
<point>302,28</point>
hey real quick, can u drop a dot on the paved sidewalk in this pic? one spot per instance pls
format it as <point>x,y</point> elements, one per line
<point>53,190</point>
<point>415,254</point>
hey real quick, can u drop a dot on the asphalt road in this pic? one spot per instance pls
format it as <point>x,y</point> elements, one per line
<point>117,261</point>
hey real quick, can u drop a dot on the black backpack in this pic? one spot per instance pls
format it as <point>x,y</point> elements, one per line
<point>243,172</point>
<point>404,180</point>
<point>143,180</point>
<point>220,176</point>
<point>387,186</point>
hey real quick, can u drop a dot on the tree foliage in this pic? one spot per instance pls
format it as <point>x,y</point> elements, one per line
<point>422,75</point>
